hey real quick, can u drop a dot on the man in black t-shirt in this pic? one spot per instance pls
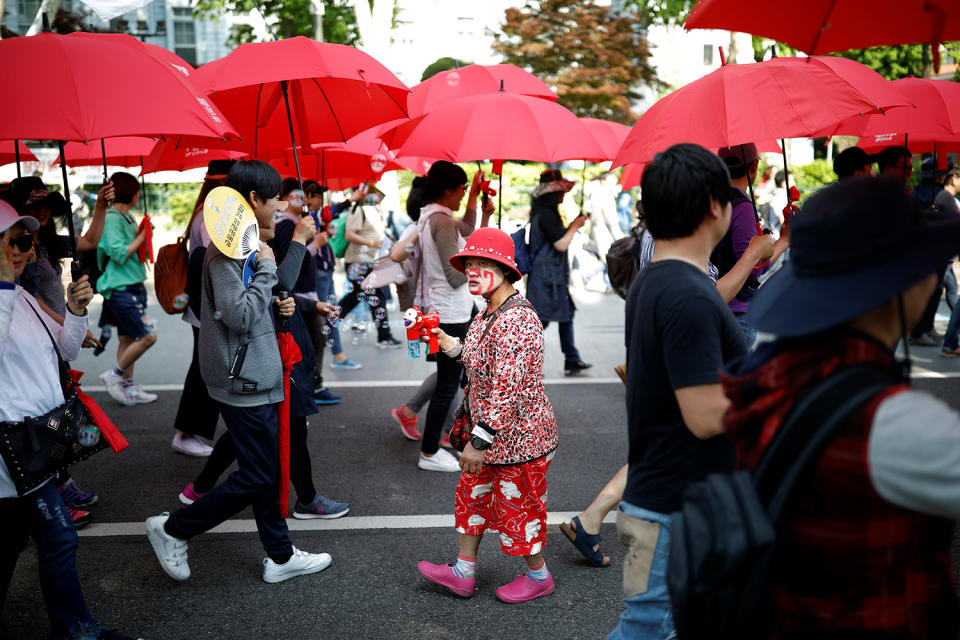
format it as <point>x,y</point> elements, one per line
<point>679,332</point>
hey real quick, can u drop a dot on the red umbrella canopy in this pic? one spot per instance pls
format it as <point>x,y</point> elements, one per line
<point>335,168</point>
<point>471,80</point>
<point>825,26</point>
<point>335,92</point>
<point>500,126</point>
<point>121,152</point>
<point>934,116</point>
<point>609,135</point>
<point>98,86</point>
<point>738,103</point>
<point>633,172</point>
<point>173,155</point>
<point>8,153</point>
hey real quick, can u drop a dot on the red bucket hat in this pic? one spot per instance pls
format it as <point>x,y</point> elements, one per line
<point>492,244</point>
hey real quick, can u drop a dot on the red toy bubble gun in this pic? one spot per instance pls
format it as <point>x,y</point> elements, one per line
<point>419,325</point>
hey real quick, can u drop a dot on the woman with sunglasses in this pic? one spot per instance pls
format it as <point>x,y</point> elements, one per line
<point>29,367</point>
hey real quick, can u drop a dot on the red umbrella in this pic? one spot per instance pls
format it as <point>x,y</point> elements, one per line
<point>173,155</point>
<point>334,92</point>
<point>633,172</point>
<point>739,103</point>
<point>142,95</point>
<point>609,135</point>
<point>935,116</point>
<point>120,152</point>
<point>335,168</point>
<point>8,152</point>
<point>471,80</point>
<point>289,356</point>
<point>499,126</point>
<point>825,26</point>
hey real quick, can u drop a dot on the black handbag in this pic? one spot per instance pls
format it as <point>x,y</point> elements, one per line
<point>37,448</point>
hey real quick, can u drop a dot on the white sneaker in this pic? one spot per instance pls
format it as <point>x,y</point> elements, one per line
<point>171,552</point>
<point>442,460</point>
<point>138,395</point>
<point>114,385</point>
<point>191,446</point>
<point>300,564</point>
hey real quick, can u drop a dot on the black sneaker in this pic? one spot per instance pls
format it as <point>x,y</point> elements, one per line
<point>389,343</point>
<point>571,367</point>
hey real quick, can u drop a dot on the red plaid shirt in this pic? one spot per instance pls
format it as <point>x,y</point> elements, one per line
<point>850,563</point>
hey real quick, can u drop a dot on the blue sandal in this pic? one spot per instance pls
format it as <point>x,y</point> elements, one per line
<point>584,542</point>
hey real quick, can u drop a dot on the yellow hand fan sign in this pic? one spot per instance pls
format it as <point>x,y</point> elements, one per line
<point>230,222</point>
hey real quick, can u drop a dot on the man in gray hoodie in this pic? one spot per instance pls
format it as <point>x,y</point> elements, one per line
<point>240,364</point>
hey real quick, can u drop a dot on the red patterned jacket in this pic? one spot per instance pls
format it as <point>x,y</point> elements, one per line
<point>506,394</point>
<point>850,563</point>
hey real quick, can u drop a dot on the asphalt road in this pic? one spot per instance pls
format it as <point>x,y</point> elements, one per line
<point>399,514</point>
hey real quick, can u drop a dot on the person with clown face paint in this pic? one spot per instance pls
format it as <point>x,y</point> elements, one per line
<point>511,427</point>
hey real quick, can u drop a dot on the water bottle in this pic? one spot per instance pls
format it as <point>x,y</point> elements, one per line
<point>105,334</point>
<point>413,348</point>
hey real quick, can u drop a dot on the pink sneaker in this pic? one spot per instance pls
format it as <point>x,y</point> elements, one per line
<point>523,589</point>
<point>443,575</point>
<point>188,496</point>
<point>445,441</point>
<point>407,425</point>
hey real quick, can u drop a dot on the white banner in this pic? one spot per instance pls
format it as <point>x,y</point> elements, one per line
<point>109,9</point>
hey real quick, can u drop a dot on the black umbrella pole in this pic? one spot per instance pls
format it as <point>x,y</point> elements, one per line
<point>75,270</point>
<point>16,152</point>
<point>293,142</point>
<point>143,189</point>
<point>103,154</point>
<point>500,199</point>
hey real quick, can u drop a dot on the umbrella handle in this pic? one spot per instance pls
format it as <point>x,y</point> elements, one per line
<point>283,324</point>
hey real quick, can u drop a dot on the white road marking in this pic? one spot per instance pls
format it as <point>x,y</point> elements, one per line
<point>346,523</point>
<point>368,384</point>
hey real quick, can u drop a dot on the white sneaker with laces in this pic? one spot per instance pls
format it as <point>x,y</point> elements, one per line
<point>114,385</point>
<point>191,446</point>
<point>139,396</point>
<point>300,564</point>
<point>171,552</point>
<point>442,460</point>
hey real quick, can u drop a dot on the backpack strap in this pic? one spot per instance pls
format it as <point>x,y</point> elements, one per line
<point>810,426</point>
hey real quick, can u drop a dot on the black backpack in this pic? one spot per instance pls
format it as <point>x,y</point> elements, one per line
<point>723,541</point>
<point>623,257</point>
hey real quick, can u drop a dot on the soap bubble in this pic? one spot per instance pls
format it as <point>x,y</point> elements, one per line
<point>380,313</point>
<point>361,297</point>
<point>332,299</point>
<point>325,330</point>
<point>373,300</point>
<point>331,343</point>
<point>217,315</point>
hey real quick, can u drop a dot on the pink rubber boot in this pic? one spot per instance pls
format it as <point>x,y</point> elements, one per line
<point>523,589</point>
<point>444,576</point>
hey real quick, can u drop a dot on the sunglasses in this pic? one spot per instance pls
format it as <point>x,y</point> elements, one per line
<point>24,242</point>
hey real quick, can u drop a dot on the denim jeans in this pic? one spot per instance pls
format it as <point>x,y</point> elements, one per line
<point>749,333</point>
<point>647,536</point>
<point>950,283</point>
<point>325,290</point>
<point>951,339</point>
<point>570,353</point>
<point>43,516</point>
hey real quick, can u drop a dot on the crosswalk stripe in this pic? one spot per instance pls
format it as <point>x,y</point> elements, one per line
<point>347,523</point>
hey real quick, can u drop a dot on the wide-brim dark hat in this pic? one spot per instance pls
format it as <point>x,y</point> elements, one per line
<point>30,194</point>
<point>930,171</point>
<point>854,246</point>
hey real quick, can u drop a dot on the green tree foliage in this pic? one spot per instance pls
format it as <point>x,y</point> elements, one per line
<point>902,61</point>
<point>660,12</point>
<point>290,17</point>
<point>442,64</point>
<point>592,57</point>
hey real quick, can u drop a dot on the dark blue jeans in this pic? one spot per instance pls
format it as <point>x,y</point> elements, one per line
<point>570,353</point>
<point>253,431</point>
<point>42,516</point>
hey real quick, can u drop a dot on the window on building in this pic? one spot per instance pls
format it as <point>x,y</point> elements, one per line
<point>707,55</point>
<point>184,34</point>
<point>26,11</point>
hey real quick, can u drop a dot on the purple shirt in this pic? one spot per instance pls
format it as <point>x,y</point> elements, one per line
<point>743,226</point>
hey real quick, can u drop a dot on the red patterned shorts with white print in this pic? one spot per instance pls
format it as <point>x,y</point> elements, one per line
<point>508,499</point>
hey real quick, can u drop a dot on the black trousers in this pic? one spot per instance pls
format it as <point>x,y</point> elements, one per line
<point>198,413</point>
<point>449,372</point>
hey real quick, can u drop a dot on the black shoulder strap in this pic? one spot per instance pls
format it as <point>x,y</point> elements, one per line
<point>509,303</point>
<point>61,363</point>
<point>809,428</point>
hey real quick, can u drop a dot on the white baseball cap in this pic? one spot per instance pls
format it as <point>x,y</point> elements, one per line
<point>10,217</point>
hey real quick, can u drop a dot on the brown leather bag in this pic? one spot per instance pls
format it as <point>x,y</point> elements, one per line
<point>170,276</point>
